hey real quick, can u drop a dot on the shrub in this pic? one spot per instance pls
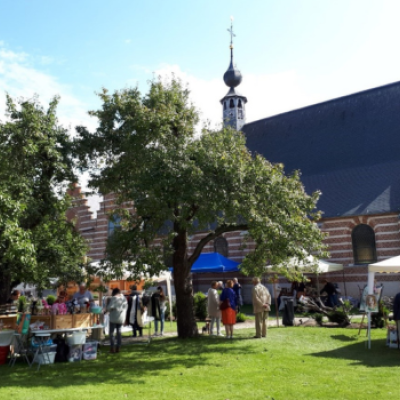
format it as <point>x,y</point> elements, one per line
<point>240,317</point>
<point>378,319</point>
<point>200,305</point>
<point>318,318</point>
<point>339,317</point>
<point>167,311</point>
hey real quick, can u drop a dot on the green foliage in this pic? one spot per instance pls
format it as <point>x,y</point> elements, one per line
<point>145,151</point>
<point>167,311</point>
<point>22,302</point>
<point>148,284</point>
<point>318,318</point>
<point>340,317</point>
<point>51,299</point>
<point>378,319</point>
<point>200,305</point>
<point>240,317</point>
<point>37,241</point>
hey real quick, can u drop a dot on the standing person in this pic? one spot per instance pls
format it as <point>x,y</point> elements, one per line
<point>134,313</point>
<point>228,297</point>
<point>261,306</point>
<point>13,299</point>
<point>83,297</point>
<point>158,308</point>
<point>237,288</point>
<point>116,306</point>
<point>213,308</point>
<point>330,289</point>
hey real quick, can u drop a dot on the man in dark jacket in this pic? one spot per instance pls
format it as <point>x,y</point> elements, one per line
<point>134,306</point>
<point>330,290</point>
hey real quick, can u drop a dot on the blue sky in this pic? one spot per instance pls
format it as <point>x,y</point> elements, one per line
<point>291,53</point>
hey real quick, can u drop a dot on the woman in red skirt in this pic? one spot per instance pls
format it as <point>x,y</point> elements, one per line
<point>228,313</point>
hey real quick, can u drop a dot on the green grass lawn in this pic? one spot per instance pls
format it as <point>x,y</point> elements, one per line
<point>293,363</point>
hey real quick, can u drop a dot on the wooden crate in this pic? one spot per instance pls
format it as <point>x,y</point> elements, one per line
<point>62,321</point>
<point>9,322</point>
<point>82,321</point>
<point>47,319</point>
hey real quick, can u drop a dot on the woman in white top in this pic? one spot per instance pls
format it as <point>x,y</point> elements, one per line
<point>116,306</point>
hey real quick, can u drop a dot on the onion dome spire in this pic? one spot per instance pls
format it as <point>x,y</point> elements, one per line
<point>232,76</point>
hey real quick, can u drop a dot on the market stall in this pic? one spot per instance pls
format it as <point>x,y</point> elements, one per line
<point>388,266</point>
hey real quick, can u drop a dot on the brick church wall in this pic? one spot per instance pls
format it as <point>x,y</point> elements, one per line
<point>354,277</point>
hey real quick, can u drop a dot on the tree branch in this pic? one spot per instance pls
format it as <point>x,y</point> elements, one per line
<point>213,235</point>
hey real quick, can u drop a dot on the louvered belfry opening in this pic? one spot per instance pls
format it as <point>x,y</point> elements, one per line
<point>364,247</point>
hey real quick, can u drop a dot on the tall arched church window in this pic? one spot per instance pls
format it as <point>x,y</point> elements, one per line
<point>224,105</point>
<point>364,247</point>
<point>231,104</point>
<point>221,246</point>
<point>240,113</point>
<point>240,104</point>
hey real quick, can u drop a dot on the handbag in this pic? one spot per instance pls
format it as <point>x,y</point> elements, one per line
<point>225,304</point>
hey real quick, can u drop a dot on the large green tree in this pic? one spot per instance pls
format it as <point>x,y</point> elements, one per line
<point>145,150</point>
<point>36,240</point>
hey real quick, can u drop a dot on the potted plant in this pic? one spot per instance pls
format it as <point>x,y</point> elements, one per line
<point>51,299</point>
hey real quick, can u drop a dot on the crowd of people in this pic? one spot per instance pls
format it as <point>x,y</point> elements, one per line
<point>225,305</point>
<point>131,310</point>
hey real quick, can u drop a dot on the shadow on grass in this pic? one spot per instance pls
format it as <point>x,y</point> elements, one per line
<point>130,366</point>
<point>378,356</point>
<point>344,338</point>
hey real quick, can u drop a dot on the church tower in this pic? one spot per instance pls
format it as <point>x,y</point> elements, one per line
<point>233,104</point>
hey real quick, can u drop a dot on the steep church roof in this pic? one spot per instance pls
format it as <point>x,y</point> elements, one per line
<point>349,148</point>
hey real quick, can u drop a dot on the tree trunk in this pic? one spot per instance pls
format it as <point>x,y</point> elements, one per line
<point>186,322</point>
<point>5,285</point>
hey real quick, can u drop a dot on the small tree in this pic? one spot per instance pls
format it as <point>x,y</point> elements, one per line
<point>36,240</point>
<point>145,151</point>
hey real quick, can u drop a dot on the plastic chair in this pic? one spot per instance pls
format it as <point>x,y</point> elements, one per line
<point>20,350</point>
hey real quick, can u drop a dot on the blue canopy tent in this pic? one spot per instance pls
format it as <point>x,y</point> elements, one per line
<point>213,262</point>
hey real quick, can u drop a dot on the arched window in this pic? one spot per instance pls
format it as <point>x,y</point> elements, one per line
<point>224,105</point>
<point>240,104</point>
<point>221,246</point>
<point>231,104</point>
<point>364,248</point>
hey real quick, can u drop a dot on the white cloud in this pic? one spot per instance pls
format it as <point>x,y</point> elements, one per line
<point>20,79</point>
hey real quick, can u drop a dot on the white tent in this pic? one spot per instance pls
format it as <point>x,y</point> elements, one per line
<point>163,276</point>
<point>390,265</point>
<point>387,266</point>
<point>312,265</point>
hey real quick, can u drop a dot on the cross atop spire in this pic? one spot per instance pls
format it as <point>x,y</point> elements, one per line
<point>230,30</point>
